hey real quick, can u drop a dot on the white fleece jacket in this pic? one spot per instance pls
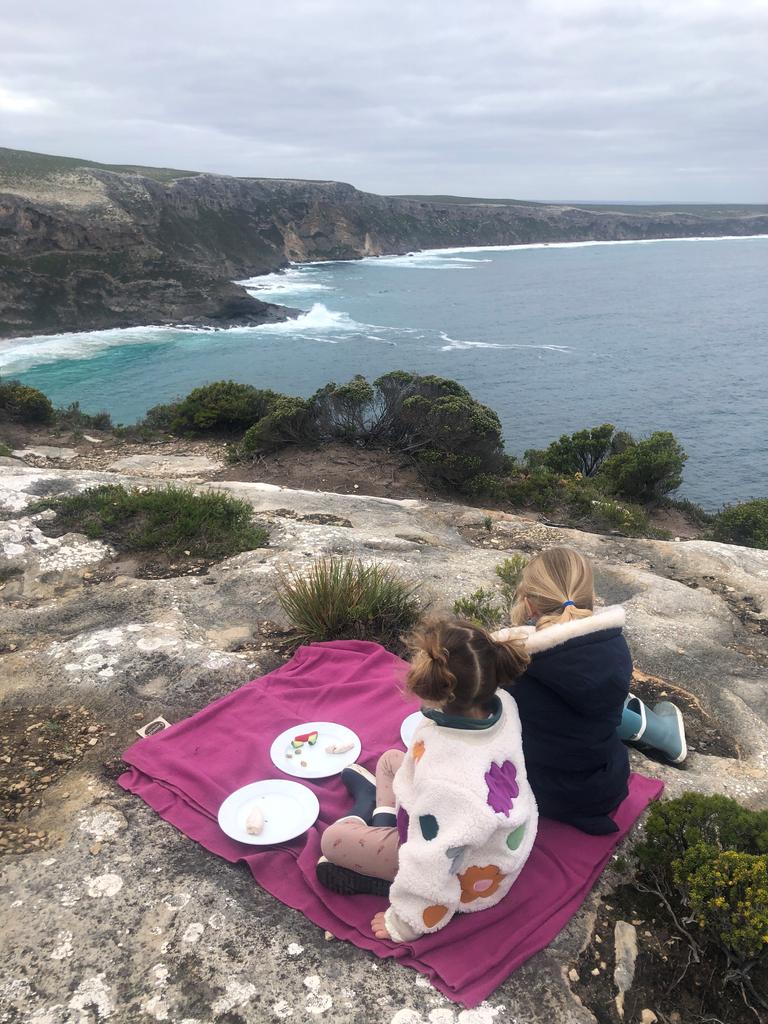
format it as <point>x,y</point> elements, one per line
<point>471,822</point>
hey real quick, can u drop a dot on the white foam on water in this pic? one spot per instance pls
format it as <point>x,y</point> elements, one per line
<point>290,281</point>
<point>458,344</point>
<point>582,245</point>
<point>318,318</point>
<point>21,353</point>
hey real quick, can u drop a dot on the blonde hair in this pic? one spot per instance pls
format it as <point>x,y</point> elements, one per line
<point>459,665</point>
<point>548,582</point>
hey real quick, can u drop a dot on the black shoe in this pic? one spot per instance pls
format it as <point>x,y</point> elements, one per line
<point>347,882</point>
<point>383,819</point>
<point>361,786</point>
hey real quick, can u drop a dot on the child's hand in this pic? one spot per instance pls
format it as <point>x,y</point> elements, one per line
<point>378,927</point>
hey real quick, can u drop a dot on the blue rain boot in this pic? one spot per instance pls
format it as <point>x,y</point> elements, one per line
<point>660,728</point>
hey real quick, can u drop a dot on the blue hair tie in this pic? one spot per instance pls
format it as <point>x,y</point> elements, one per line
<point>566,603</point>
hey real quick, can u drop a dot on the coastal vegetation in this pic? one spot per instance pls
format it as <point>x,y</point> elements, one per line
<point>600,479</point>
<point>704,864</point>
<point>491,608</point>
<point>173,520</point>
<point>345,598</point>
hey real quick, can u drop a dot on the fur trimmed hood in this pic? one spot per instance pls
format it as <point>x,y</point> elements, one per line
<point>538,640</point>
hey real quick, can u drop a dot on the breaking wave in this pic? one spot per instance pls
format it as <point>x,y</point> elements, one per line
<point>457,344</point>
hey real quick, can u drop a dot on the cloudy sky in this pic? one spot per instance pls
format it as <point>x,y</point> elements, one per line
<point>538,99</point>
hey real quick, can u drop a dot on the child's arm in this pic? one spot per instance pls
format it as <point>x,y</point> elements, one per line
<point>446,824</point>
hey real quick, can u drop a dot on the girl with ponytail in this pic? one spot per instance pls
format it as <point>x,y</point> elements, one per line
<point>574,699</point>
<point>448,825</point>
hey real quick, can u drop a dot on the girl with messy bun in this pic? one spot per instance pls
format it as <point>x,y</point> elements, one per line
<point>449,825</point>
<point>574,699</point>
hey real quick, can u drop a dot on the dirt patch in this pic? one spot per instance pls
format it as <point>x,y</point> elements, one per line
<point>702,732</point>
<point>40,744</point>
<point>341,468</point>
<point>668,981</point>
<point>675,523</point>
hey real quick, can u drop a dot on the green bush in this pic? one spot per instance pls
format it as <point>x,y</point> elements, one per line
<point>676,826</point>
<point>5,451</point>
<point>728,897</point>
<point>624,517</point>
<point>341,598</point>
<point>173,520</point>
<point>707,857</point>
<point>288,422</point>
<point>23,404</point>
<point>223,407</point>
<point>583,452</point>
<point>72,417</point>
<point>646,471</point>
<point>483,607</point>
<point>745,524</point>
<point>346,411</point>
<point>491,608</point>
<point>159,418</point>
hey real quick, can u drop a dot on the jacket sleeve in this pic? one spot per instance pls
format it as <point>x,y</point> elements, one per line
<point>445,823</point>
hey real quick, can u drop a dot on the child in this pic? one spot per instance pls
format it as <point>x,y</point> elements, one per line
<point>574,700</point>
<point>451,823</point>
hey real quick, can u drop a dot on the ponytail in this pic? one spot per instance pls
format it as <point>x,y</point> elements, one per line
<point>458,663</point>
<point>511,659</point>
<point>430,677</point>
<point>559,585</point>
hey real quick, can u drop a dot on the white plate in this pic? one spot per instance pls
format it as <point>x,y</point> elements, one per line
<point>318,763</point>
<point>410,725</point>
<point>288,808</point>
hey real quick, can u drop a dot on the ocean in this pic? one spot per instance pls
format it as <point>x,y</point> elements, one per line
<point>661,335</point>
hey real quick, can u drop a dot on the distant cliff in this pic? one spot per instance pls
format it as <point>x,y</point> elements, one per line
<point>84,246</point>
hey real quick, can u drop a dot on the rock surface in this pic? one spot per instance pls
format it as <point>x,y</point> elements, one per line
<point>85,246</point>
<point>119,918</point>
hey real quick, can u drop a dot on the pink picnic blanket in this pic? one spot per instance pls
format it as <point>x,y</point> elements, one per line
<point>186,772</point>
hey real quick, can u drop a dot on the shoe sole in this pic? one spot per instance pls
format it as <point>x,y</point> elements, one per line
<point>347,882</point>
<point>684,752</point>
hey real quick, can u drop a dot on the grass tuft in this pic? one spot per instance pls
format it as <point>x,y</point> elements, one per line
<point>343,598</point>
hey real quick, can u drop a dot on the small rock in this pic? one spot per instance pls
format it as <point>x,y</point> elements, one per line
<point>573,975</point>
<point>329,936</point>
<point>92,728</point>
<point>595,971</point>
<point>648,1017</point>
<point>93,742</point>
<point>94,848</point>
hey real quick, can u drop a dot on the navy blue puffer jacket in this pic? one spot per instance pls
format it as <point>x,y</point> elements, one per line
<point>570,700</point>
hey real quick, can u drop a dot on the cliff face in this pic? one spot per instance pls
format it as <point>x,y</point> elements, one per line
<point>85,247</point>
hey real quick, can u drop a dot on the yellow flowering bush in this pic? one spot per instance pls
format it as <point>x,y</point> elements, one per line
<point>728,898</point>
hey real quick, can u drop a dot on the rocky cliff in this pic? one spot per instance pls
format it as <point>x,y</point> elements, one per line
<point>112,914</point>
<point>86,247</point>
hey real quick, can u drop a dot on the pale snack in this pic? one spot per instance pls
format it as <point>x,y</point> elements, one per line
<point>339,748</point>
<point>254,823</point>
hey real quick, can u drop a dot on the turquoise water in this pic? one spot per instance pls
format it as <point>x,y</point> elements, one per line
<point>654,335</point>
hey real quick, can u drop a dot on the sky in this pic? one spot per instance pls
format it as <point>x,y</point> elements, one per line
<point>635,100</point>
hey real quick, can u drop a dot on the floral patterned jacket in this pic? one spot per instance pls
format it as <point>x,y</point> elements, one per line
<point>467,819</point>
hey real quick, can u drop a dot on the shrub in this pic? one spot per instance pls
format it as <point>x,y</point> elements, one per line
<point>289,422</point>
<point>221,407</point>
<point>728,896</point>
<point>745,524</point>
<point>346,411</point>
<point>676,826</point>
<point>583,452</point>
<point>452,438</point>
<point>645,471</point>
<point>482,607</point>
<point>338,598</point>
<point>621,516</point>
<point>707,857</point>
<point>23,404</point>
<point>509,572</point>
<point>490,608</point>
<point>72,417</point>
<point>173,520</point>
<point>5,451</point>
<point>159,417</point>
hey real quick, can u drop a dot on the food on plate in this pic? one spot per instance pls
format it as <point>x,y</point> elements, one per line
<point>338,748</point>
<point>307,737</point>
<point>254,823</point>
